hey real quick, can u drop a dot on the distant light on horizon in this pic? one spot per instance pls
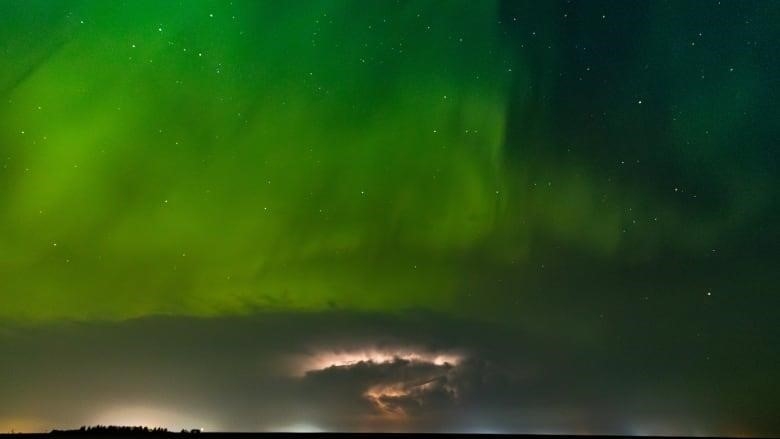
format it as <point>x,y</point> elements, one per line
<point>298,428</point>
<point>152,417</point>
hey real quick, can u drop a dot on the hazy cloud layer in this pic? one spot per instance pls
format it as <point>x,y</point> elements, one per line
<point>239,374</point>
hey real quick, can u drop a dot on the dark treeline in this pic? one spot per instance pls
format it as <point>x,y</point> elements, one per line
<point>119,429</point>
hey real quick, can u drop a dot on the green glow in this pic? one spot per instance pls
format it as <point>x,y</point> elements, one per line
<point>223,157</point>
<point>168,161</point>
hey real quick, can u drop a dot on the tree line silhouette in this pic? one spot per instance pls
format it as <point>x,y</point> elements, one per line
<point>122,429</point>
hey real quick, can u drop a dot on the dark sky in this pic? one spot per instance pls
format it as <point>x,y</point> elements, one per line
<point>492,216</point>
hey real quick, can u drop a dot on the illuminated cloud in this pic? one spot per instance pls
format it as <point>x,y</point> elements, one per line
<point>374,355</point>
<point>399,381</point>
<point>407,397</point>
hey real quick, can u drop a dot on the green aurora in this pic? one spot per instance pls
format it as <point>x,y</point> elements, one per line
<point>193,162</point>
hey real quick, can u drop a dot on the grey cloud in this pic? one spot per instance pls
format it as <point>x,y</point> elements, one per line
<point>234,374</point>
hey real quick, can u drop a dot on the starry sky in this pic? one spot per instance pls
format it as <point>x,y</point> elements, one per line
<point>397,215</point>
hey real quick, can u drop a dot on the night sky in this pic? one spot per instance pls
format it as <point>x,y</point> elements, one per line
<point>395,215</point>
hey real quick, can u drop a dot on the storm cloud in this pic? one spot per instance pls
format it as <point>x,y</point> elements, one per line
<point>239,374</point>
